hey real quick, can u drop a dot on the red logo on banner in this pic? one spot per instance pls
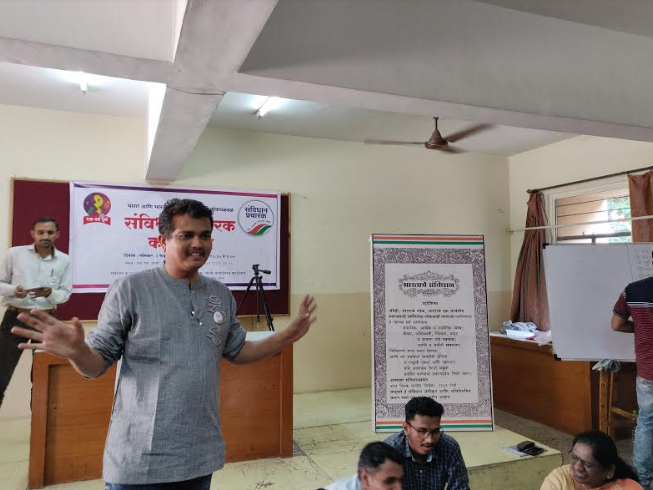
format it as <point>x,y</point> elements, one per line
<point>97,206</point>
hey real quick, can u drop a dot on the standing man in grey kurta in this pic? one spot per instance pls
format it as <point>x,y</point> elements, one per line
<point>171,326</point>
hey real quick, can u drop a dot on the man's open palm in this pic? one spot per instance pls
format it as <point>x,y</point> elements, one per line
<point>50,334</point>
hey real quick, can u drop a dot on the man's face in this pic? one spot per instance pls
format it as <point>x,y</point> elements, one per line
<point>423,433</point>
<point>45,234</point>
<point>188,247</point>
<point>385,477</point>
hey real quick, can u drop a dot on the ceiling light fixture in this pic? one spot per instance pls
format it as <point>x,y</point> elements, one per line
<point>269,104</point>
<point>83,84</point>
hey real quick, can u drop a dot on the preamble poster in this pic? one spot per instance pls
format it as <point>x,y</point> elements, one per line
<point>114,232</point>
<point>430,332</point>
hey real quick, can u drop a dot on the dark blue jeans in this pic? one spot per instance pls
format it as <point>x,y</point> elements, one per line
<point>201,483</point>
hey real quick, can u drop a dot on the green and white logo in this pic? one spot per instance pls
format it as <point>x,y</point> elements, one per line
<point>255,218</point>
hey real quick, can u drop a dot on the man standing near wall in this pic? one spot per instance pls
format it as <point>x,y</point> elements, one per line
<point>36,276</point>
<point>636,302</point>
<point>171,326</point>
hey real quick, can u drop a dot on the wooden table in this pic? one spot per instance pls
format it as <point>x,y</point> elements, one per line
<point>527,381</point>
<point>70,416</point>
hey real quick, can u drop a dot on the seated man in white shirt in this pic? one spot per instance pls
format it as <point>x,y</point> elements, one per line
<point>379,468</point>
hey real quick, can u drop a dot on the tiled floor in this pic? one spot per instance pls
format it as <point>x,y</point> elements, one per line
<point>330,430</point>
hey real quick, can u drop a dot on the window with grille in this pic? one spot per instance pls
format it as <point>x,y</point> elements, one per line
<point>595,215</point>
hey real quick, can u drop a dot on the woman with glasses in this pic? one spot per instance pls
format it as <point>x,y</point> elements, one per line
<point>595,465</point>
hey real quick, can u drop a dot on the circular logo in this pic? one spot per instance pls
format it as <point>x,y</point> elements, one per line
<point>97,204</point>
<point>255,218</point>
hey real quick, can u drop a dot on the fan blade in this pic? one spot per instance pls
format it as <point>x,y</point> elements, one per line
<point>452,138</point>
<point>451,149</point>
<point>391,142</point>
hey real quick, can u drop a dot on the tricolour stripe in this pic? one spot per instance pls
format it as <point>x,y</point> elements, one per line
<point>446,421</point>
<point>406,242</point>
<point>442,238</point>
<point>443,425</point>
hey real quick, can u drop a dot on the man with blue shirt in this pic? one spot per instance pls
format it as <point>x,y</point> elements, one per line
<point>170,326</point>
<point>379,468</point>
<point>432,459</point>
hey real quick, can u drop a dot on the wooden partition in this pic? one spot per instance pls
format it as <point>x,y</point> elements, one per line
<point>527,381</point>
<point>70,416</point>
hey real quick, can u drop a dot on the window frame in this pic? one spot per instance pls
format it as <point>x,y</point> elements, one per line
<point>580,190</point>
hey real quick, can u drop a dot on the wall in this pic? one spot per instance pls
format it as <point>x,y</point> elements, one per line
<point>40,144</point>
<point>574,159</point>
<point>341,192</point>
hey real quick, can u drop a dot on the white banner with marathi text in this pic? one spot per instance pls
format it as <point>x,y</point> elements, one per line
<point>430,329</point>
<point>114,232</point>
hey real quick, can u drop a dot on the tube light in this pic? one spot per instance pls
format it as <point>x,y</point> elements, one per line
<point>268,105</point>
<point>83,84</point>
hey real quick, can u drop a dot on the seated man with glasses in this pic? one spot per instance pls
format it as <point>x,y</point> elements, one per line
<point>432,459</point>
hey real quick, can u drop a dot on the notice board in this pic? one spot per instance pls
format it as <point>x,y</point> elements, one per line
<point>430,329</point>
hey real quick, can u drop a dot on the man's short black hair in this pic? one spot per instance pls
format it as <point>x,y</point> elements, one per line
<point>375,454</point>
<point>176,207</point>
<point>423,405</point>
<point>46,219</point>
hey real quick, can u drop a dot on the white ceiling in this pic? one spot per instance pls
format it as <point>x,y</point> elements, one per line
<point>59,90</point>
<point>632,16</point>
<point>316,120</point>
<point>135,28</point>
<point>464,52</point>
<point>355,69</point>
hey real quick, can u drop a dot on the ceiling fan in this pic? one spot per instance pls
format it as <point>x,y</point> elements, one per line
<point>437,141</point>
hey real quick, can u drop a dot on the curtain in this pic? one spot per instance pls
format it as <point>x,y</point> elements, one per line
<point>529,299</point>
<point>641,204</point>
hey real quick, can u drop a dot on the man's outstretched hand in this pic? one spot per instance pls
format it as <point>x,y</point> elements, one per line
<point>52,335</point>
<point>304,319</point>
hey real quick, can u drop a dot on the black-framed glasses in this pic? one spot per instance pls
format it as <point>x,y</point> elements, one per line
<point>424,433</point>
<point>575,459</point>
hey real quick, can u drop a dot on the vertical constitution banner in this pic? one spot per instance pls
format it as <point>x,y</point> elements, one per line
<point>430,332</point>
<point>114,232</point>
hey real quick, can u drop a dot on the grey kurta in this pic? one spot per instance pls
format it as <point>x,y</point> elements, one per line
<point>164,424</point>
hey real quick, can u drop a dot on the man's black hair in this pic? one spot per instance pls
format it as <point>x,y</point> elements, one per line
<point>375,454</point>
<point>46,219</point>
<point>423,405</point>
<point>176,207</point>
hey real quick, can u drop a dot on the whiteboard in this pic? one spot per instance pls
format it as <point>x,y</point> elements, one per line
<point>583,283</point>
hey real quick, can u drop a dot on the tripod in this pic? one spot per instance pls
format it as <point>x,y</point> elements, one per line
<point>260,293</point>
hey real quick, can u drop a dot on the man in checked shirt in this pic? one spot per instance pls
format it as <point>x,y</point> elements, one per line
<point>432,459</point>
